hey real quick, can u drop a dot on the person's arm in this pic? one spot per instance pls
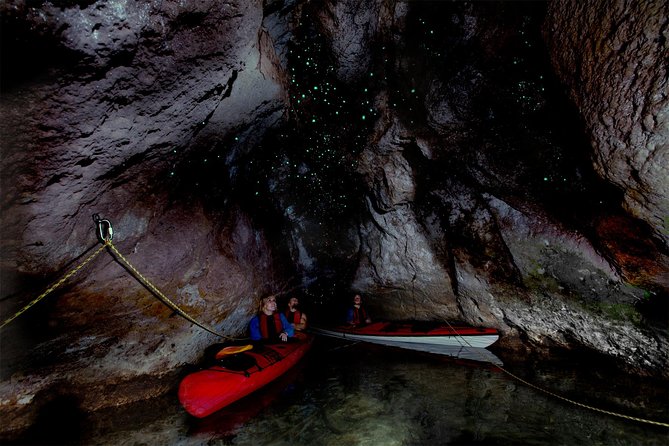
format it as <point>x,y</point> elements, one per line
<point>349,316</point>
<point>254,328</point>
<point>287,327</point>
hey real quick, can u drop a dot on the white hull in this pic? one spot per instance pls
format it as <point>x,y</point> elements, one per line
<point>479,341</point>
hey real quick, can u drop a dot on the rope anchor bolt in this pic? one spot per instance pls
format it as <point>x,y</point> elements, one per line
<point>105,232</point>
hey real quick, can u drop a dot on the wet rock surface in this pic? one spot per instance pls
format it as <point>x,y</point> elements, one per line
<point>436,157</point>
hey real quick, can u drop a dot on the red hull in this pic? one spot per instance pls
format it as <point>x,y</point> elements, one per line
<point>203,393</point>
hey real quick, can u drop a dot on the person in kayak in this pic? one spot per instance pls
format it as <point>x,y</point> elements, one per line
<point>294,315</point>
<point>357,314</point>
<point>270,325</point>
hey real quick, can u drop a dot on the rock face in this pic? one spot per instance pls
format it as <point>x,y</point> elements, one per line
<point>121,123</point>
<point>422,153</point>
<point>612,67</point>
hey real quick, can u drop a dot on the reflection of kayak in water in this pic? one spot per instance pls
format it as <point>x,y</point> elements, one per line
<point>235,375</point>
<point>459,352</point>
<point>425,333</point>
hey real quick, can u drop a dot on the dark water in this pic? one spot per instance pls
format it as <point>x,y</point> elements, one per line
<point>361,394</point>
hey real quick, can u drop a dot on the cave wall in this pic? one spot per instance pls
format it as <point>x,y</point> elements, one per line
<point>444,180</point>
<point>117,112</point>
<point>481,200</point>
<point>109,134</point>
<point>613,68</point>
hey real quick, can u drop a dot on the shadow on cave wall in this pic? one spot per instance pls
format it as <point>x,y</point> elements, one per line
<point>59,421</point>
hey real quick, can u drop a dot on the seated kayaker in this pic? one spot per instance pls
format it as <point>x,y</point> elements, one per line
<point>357,315</point>
<point>269,325</point>
<point>294,315</point>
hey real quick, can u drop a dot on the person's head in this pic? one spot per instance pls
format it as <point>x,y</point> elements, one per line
<point>293,302</point>
<point>268,304</point>
<point>357,299</point>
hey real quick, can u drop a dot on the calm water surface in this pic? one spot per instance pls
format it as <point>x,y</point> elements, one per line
<point>361,394</point>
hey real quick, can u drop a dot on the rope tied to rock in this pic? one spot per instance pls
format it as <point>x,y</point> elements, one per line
<point>585,406</point>
<point>105,234</point>
<point>54,286</point>
<point>555,395</point>
<point>159,293</point>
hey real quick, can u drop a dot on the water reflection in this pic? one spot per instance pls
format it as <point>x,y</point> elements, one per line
<point>457,352</point>
<point>363,394</point>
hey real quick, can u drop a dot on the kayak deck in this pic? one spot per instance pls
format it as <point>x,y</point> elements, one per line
<point>235,376</point>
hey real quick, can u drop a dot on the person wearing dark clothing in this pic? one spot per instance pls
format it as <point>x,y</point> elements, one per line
<point>357,314</point>
<point>294,315</point>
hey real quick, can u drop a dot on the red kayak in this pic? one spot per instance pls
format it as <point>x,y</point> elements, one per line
<point>236,375</point>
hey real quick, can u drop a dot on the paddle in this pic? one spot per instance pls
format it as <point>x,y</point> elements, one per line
<point>233,349</point>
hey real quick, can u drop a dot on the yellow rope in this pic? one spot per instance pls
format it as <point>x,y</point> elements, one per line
<point>158,293</point>
<point>107,243</point>
<point>576,403</point>
<point>54,286</point>
<point>596,409</point>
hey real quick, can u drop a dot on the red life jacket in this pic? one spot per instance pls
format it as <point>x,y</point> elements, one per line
<point>270,330</point>
<point>294,317</point>
<point>359,315</point>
